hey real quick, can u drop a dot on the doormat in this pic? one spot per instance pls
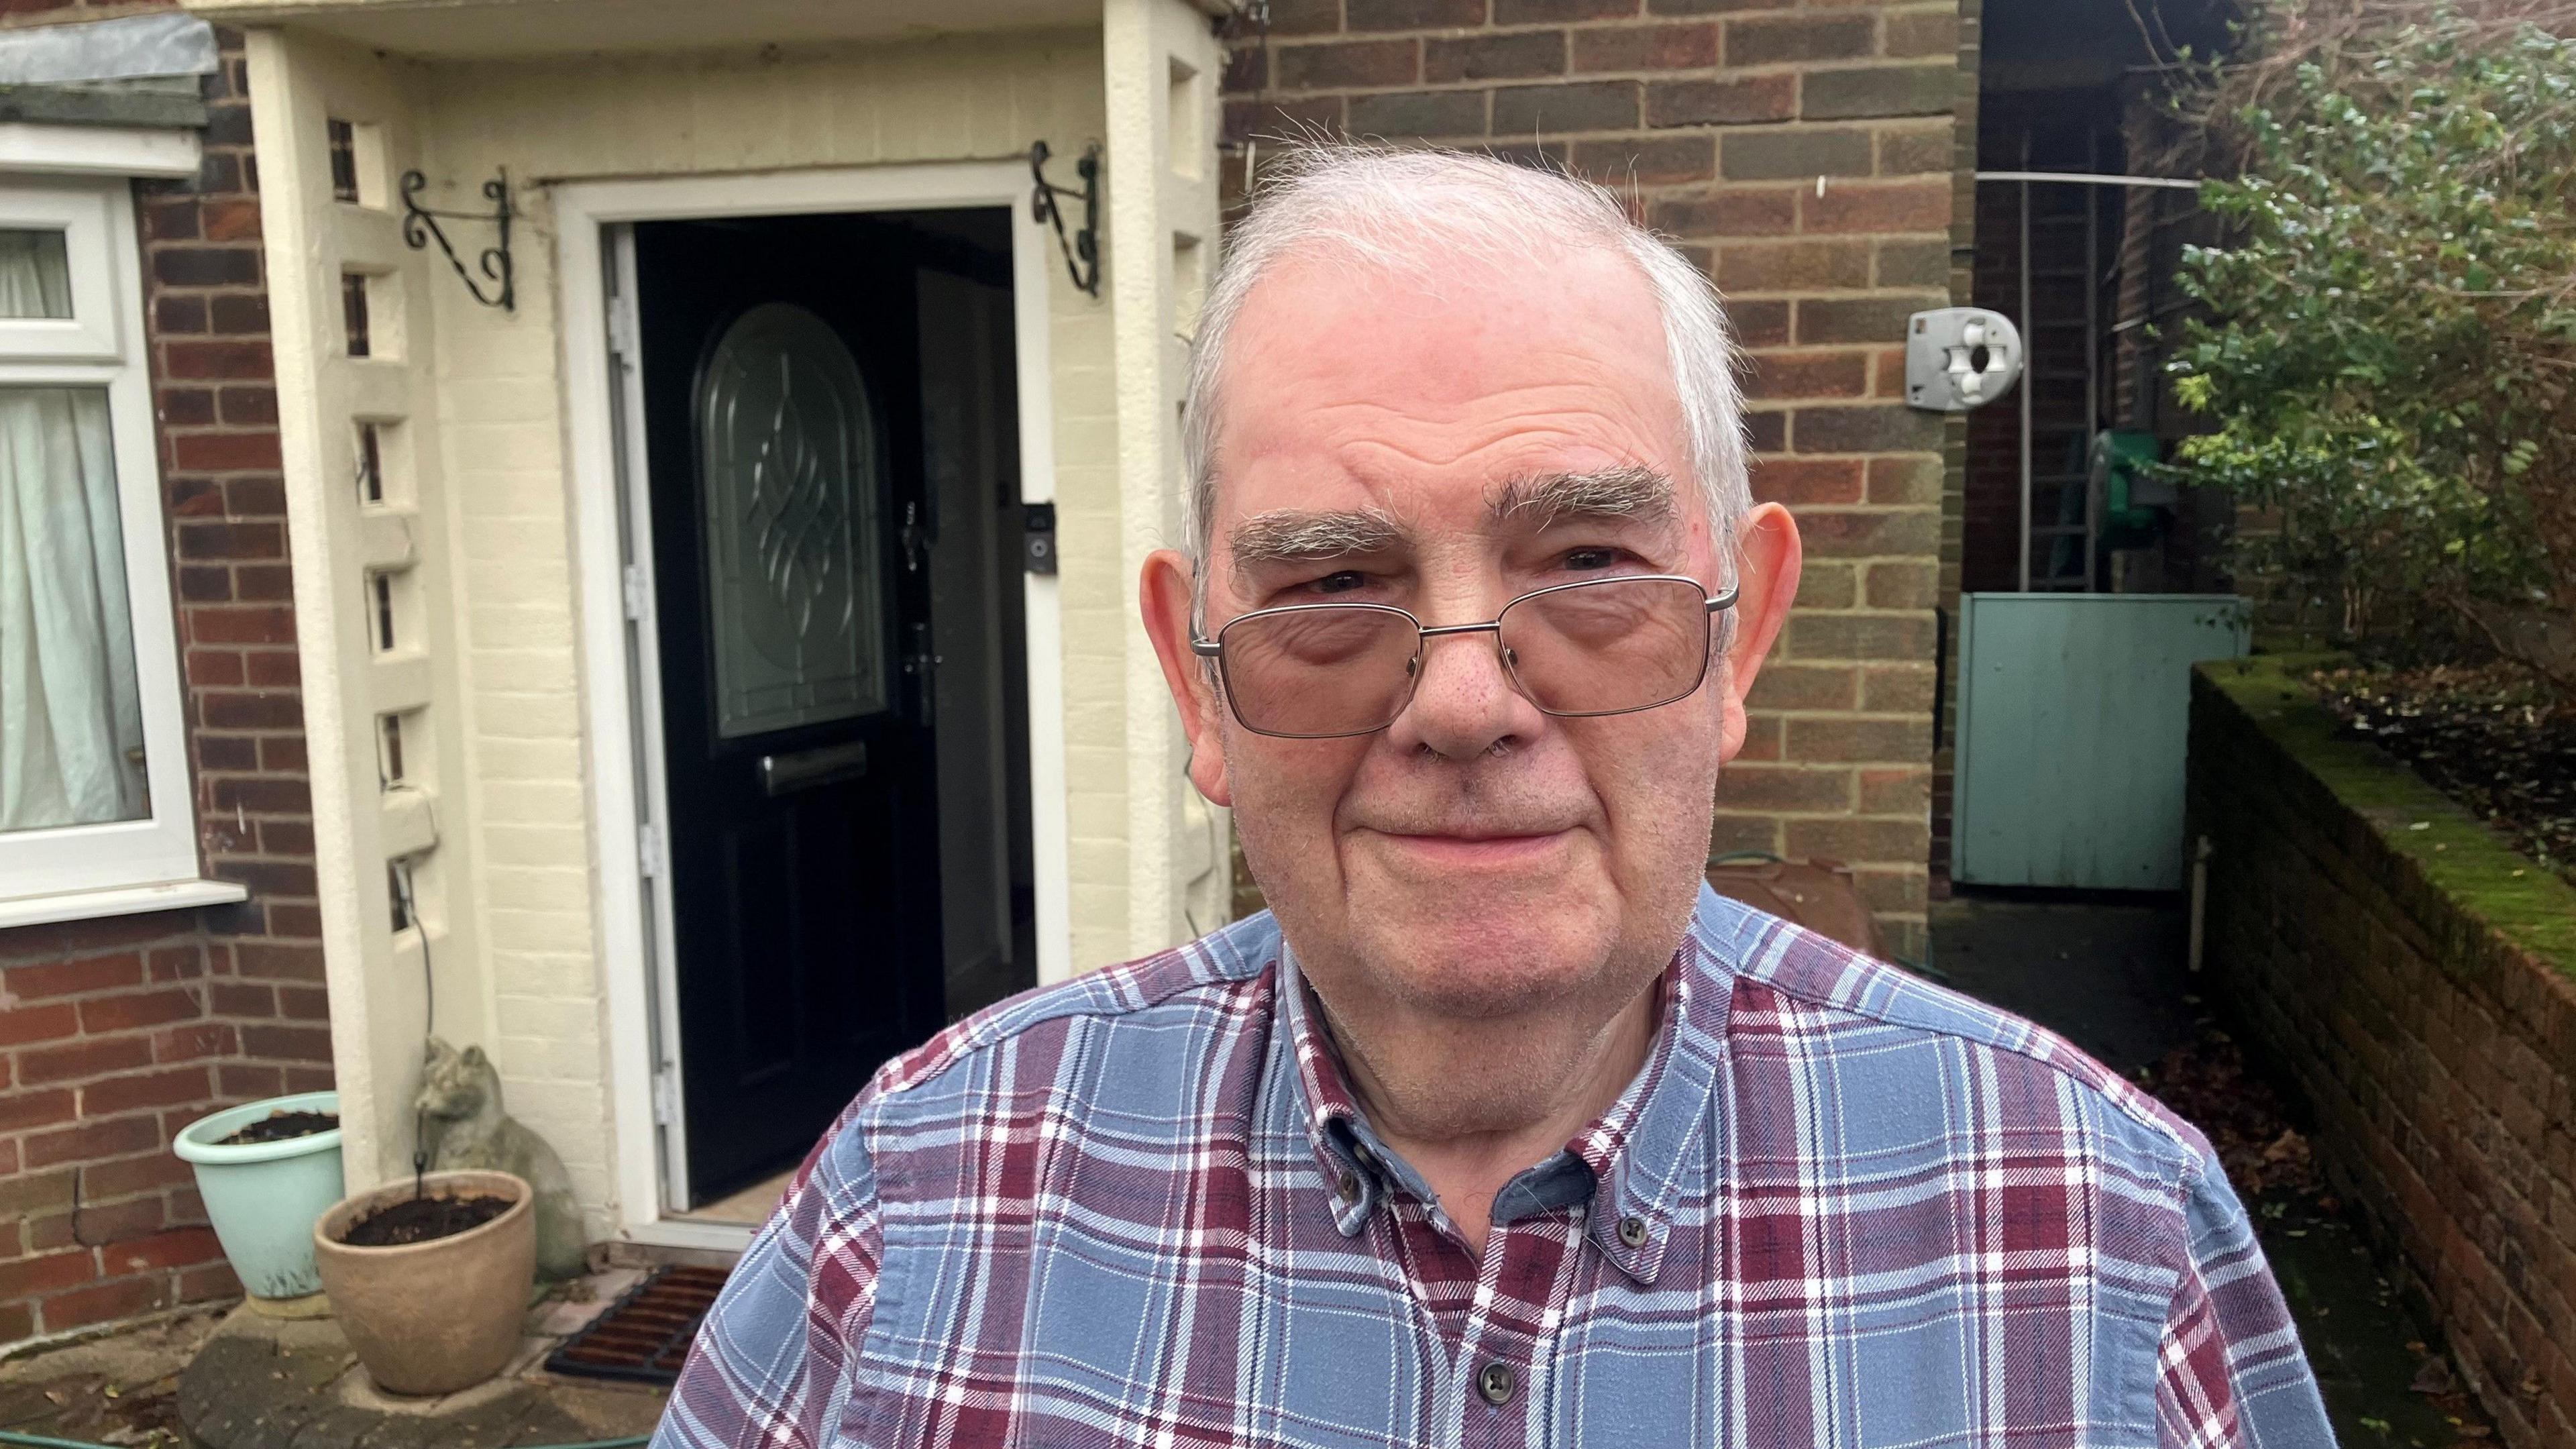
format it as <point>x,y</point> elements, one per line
<point>644,1336</point>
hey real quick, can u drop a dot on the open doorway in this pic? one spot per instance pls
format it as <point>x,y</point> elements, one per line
<point>833,632</point>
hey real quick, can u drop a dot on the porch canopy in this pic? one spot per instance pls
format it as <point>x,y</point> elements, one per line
<point>460,492</point>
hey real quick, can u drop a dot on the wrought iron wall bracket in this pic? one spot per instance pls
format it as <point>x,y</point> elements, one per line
<point>420,227</point>
<point>1082,249</point>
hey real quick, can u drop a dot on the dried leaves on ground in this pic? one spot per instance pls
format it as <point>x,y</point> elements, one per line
<point>2206,1082</point>
<point>2486,736</point>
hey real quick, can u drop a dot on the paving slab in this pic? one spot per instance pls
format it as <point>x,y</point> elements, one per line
<point>266,1383</point>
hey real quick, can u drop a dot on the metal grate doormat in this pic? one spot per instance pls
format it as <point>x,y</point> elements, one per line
<point>644,1336</point>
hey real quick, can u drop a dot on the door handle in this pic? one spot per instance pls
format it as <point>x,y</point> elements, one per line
<point>806,769</point>
<point>923,666</point>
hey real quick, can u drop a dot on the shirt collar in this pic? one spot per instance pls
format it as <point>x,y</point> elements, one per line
<point>1638,1155</point>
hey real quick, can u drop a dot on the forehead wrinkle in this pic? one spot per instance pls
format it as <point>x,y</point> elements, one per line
<point>1634,492</point>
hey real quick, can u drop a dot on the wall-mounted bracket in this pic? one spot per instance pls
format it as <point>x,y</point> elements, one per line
<point>1082,250</point>
<point>420,227</point>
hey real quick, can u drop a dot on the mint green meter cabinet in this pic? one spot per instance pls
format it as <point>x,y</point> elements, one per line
<point>2073,714</point>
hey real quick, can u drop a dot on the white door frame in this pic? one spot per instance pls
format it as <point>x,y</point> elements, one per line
<point>622,685</point>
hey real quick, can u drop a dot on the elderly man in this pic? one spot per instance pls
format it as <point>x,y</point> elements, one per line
<point>1499,1128</point>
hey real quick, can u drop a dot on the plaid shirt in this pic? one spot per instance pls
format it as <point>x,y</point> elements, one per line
<point>1839,1206</point>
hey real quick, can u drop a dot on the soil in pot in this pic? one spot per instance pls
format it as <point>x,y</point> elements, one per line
<point>281,1126</point>
<point>424,1219</point>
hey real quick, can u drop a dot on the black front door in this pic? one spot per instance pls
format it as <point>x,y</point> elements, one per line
<point>782,422</point>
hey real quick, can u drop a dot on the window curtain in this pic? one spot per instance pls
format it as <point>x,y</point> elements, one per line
<point>71,728</point>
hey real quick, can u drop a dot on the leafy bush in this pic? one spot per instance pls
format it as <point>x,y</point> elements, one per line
<point>2389,352</point>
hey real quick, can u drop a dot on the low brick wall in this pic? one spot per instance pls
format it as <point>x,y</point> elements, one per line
<point>2374,939</point>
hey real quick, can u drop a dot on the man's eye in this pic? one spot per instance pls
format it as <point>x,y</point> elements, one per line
<point>1340,583</point>
<point>1590,560</point>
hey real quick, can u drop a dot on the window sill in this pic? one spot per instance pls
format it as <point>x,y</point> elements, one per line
<point>119,901</point>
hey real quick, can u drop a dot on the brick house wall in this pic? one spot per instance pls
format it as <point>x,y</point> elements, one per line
<point>115,1033</point>
<point>2415,980</point>
<point>1804,152</point>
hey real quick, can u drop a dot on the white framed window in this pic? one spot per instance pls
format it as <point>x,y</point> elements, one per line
<point>96,816</point>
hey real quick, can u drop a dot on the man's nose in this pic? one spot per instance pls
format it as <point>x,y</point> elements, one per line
<point>1463,702</point>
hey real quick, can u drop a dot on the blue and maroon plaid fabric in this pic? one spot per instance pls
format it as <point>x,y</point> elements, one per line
<point>1840,1206</point>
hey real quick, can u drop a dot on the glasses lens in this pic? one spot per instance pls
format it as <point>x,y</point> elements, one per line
<point>1601,648</point>
<point>1327,670</point>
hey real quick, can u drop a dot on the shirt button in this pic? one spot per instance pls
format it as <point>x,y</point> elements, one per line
<point>1632,1231</point>
<point>1496,1381</point>
<point>1348,1189</point>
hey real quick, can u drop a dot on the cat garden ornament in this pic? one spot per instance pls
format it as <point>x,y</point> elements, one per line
<point>460,1107</point>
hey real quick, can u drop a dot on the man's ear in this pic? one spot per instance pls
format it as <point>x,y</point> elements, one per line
<point>1165,591</point>
<point>1764,588</point>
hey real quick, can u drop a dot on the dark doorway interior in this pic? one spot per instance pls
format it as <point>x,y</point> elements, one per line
<point>829,429</point>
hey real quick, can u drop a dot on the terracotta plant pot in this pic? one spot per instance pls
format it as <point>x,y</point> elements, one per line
<point>434,1317</point>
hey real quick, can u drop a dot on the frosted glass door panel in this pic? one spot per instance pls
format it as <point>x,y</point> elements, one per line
<point>790,490</point>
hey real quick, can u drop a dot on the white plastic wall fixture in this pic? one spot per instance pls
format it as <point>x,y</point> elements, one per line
<point>1943,372</point>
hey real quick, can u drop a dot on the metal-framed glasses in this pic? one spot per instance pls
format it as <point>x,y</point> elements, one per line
<point>1594,647</point>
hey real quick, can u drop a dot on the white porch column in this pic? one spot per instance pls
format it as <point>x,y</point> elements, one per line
<point>374,596</point>
<point>1161,65</point>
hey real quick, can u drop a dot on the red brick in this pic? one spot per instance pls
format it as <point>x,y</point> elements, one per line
<point>1771,266</point>
<point>89,1141</point>
<point>1783,788</point>
<point>1836,534</point>
<point>71,978</point>
<point>289,1043</point>
<point>98,1224</point>
<point>210,1280</point>
<point>83,1059</point>
<point>1783,686</point>
<point>1730,102</point>
<point>1805,481</point>
<point>1775,40</point>
<point>1851,840</point>
<point>104,1302</point>
<point>25,1024</point>
<point>146,1089</point>
<point>1644,160</point>
<point>1895,792</point>
<point>304,1003</point>
<point>1864,740</point>
<point>231,220</point>
<point>1780,376</point>
<point>1876,206</point>
<point>214,668</point>
<point>1413,14</point>
<point>1733,211</point>
<point>230,998</point>
<point>1515,55</point>
<point>154,1172</point>
<point>23,1109</point>
<point>243,623</point>
<point>278,961</point>
<point>141,1009</point>
<point>1346,64</point>
<point>177,1248</point>
<point>263,710</point>
<point>226,359</point>
<point>196,1041</point>
<point>231,540</point>
<point>1687,46</point>
<point>24,1277</point>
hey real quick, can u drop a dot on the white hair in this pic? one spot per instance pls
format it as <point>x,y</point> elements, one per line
<point>1412,211</point>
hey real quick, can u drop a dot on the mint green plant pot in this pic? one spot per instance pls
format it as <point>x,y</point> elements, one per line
<point>264,1197</point>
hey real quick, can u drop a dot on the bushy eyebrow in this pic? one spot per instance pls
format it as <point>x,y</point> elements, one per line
<point>1298,535</point>
<point>1636,493</point>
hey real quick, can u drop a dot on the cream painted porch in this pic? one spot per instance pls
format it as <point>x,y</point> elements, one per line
<point>493,541</point>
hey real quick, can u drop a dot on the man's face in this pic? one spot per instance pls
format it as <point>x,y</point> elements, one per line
<point>1445,449</point>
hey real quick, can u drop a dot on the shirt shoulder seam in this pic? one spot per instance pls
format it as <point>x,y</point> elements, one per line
<point>2188,1158</point>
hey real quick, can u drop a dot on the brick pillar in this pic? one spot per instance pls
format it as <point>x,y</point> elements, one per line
<point>116,1033</point>
<point>1805,154</point>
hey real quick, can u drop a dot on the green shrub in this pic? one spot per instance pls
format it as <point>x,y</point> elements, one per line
<point>2389,352</point>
